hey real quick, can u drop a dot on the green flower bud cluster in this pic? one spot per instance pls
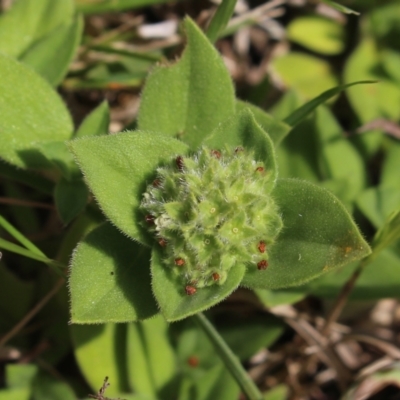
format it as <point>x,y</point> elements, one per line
<point>210,211</point>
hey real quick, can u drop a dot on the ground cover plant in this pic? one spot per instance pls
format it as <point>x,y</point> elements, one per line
<point>200,234</point>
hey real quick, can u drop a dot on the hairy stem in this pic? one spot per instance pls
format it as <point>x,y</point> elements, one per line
<point>231,362</point>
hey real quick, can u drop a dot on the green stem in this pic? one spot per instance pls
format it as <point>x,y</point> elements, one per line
<point>220,19</point>
<point>231,362</point>
<point>20,237</point>
<point>14,248</point>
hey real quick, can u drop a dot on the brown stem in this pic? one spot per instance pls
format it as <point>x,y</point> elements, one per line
<point>9,335</point>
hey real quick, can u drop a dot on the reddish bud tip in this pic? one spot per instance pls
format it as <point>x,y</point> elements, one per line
<point>162,242</point>
<point>261,247</point>
<point>216,153</point>
<point>179,163</point>
<point>260,169</point>
<point>149,219</point>
<point>263,264</point>
<point>193,361</point>
<point>156,183</point>
<point>215,276</point>
<point>190,290</point>
<point>179,262</point>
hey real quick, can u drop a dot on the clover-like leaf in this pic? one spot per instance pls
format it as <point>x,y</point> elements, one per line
<point>110,279</point>
<point>318,235</point>
<point>190,98</point>
<point>117,169</point>
<point>31,112</point>
<point>243,130</point>
<point>176,301</point>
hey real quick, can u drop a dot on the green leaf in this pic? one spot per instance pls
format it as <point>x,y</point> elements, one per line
<point>334,148</point>
<point>71,198</point>
<point>377,203</point>
<point>340,8</point>
<point>148,343</point>
<point>391,165</point>
<point>310,77</point>
<point>190,98</point>
<point>51,55</point>
<point>31,112</point>
<point>319,34</point>
<point>298,115</point>
<point>243,130</point>
<point>170,293</point>
<point>298,158</point>
<point>100,351</point>
<point>379,279</point>
<point>58,155</point>
<point>276,129</point>
<point>318,235</point>
<point>15,394</point>
<point>279,392</point>
<point>110,279</point>
<point>220,19</point>
<point>387,234</point>
<point>272,298</point>
<point>118,168</point>
<point>28,20</point>
<point>236,331</point>
<point>216,383</point>
<point>18,376</point>
<point>370,102</point>
<point>96,123</point>
<point>390,62</point>
<point>47,387</point>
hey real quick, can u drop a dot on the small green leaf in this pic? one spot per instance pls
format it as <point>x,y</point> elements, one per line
<point>148,343</point>
<point>378,202</point>
<point>47,387</point>
<point>220,19</point>
<point>318,235</point>
<point>175,303</point>
<point>96,123</point>
<point>310,77</point>
<point>190,98</point>
<point>276,129</point>
<point>334,148</point>
<point>18,376</point>
<point>272,298</point>
<point>58,155</point>
<point>100,351</point>
<point>371,101</point>
<point>31,112</point>
<point>388,233</point>
<point>110,279</point>
<point>279,392</point>
<point>71,198</point>
<point>118,168</point>
<point>319,34</point>
<point>28,20</point>
<point>51,55</point>
<point>243,130</point>
<point>391,165</point>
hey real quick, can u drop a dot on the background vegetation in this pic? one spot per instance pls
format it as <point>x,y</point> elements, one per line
<point>334,337</point>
